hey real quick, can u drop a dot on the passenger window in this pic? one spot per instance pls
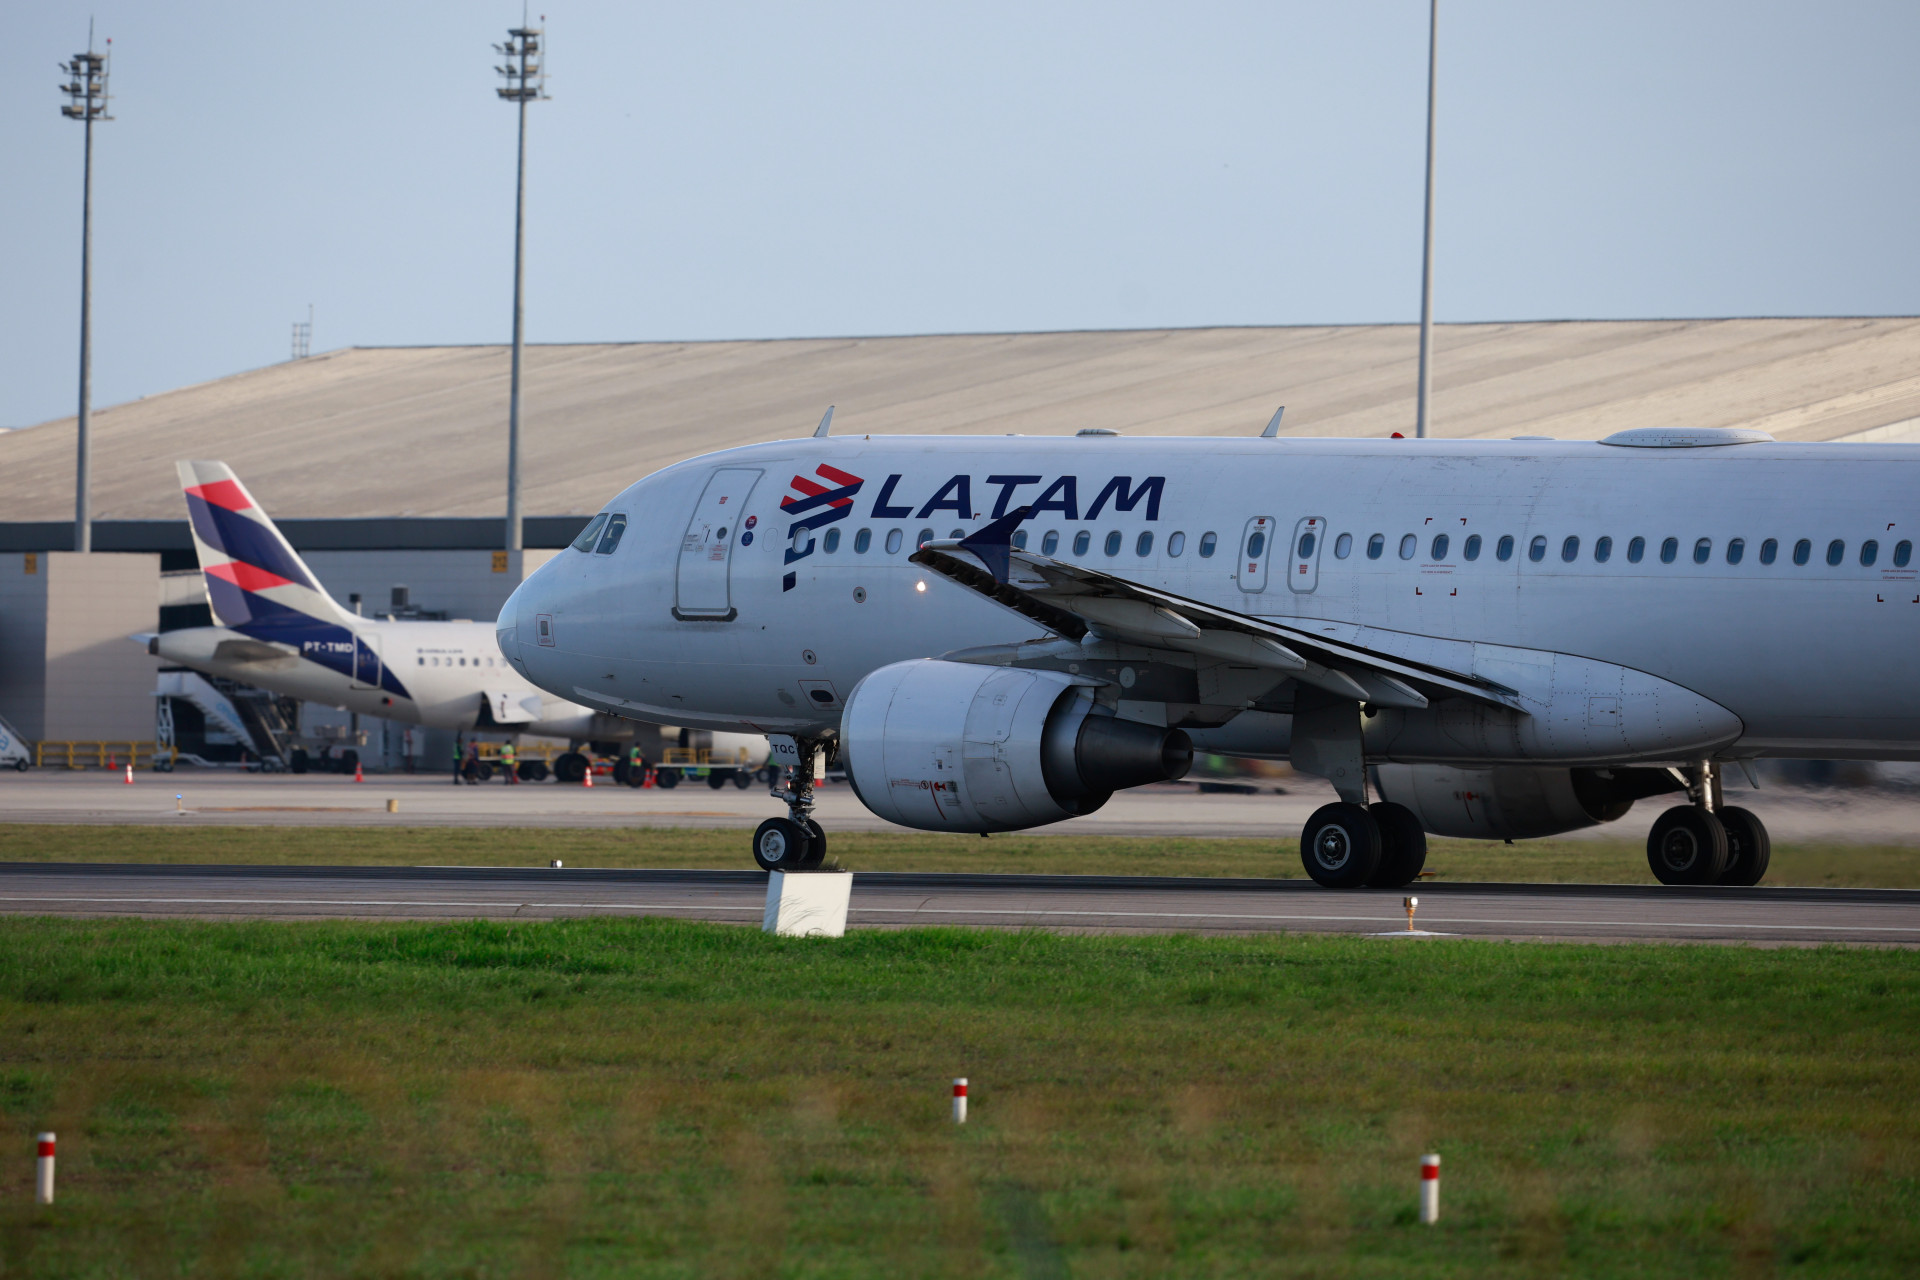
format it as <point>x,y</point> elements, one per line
<point>1343,546</point>
<point>420,660</point>
<point>1472,549</point>
<point>616,526</point>
<point>1902,554</point>
<point>1802,551</point>
<point>1669,550</point>
<point>1503,549</point>
<point>1019,539</point>
<point>893,542</point>
<point>831,543</point>
<point>1081,541</point>
<point>1769,551</point>
<point>1207,545</point>
<point>1602,550</point>
<point>1050,543</point>
<point>1869,552</point>
<point>1375,545</point>
<point>590,534</point>
<point>926,536</point>
<point>1113,543</point>
<point>1636,550</point>
<point>1570,550</point>
<point>1306,545</point>
<point>1537,549</point>
<point>1143,545</point>
<point>1736,550</point>
<point>861,541</point>
<point>1439,548</point>
<point>1255,545</point>
<point>1836,551</point>
<point>1176,543</point>
<point>1408,545</point>
<point>1702,550</point>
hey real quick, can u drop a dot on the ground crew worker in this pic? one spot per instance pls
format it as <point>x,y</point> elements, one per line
<point>471,765</point>
<point>459,759</point>
<point>507,754</point>
<point>636,766</point>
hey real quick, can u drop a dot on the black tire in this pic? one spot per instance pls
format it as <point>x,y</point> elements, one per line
<point>485,771</point>
<point>349,761</point>
<point>570,766</point>
<point>1403,846</point>
<point>297,762</point>
<point>742,779</point>
<point>667,778</point>
<point>21,765</point>
<point>717,778</point>
<point>1340,846</point>
<point>1749,848</point>
<point>817,852</point>
<point>637,775</point>
<point>621,772</point>
<point>780,844</point>
<point>1687,846</point>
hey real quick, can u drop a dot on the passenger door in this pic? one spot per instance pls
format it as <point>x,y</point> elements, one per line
<point>1303,573</point>
<point>1256,543</point>
<point>702,591</point>
<point>366,661</point>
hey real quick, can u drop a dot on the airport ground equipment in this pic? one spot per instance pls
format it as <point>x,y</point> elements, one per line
<point>15,752</point>
<point>102,755</point>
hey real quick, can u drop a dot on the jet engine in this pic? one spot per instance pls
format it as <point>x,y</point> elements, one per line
<point>1515,802</point>
<point>951,746</point>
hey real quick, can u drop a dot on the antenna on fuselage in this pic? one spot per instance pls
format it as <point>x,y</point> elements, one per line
<point>1273,426</point>
<point>826,420</point>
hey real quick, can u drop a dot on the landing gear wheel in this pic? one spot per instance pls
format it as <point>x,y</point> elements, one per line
<point>1340,846</point>
<point>1748,847</point>
<point>570,766</point>
<point>1687,846</point>
<point>782,844</point>
<point>1403,846</point>
<point>816,847</point>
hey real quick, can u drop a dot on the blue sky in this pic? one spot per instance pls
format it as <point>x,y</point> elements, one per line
<point>757,170</point>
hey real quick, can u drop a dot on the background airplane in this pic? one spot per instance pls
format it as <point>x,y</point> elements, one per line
<point>279,630</point>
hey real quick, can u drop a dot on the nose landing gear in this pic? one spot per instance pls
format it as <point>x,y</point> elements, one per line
<point>1708,842</point>
<point>795,842</point>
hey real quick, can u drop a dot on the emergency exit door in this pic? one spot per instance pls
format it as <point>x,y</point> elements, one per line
<point>702,589</point>
<point>1303,573</point>
<point>1255,545</point>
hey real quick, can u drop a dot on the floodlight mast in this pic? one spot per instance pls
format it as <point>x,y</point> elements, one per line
<point>86,90</point>
<point>525,79</point>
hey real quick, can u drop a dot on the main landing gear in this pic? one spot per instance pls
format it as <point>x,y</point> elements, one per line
<point>795,842</point>
<point>1351,846</point>
<point>1707,842</point>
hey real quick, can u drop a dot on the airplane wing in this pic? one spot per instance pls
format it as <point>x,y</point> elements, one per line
<point>1073,600</point>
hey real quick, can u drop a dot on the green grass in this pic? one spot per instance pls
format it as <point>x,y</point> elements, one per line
<point>1578,861</point>
<point>619,1098</point>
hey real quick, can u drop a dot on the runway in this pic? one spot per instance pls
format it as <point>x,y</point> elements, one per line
<point>1104,904</point>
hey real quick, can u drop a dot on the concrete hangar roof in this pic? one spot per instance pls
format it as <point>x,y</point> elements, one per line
<point>420,431</point>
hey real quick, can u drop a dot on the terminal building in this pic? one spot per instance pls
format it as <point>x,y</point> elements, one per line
<point>386,466</point>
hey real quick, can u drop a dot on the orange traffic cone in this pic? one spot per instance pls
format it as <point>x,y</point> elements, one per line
<point>588,779</point>
<point>647,785</point>
<point>357,775</point>
<point>129,774</point>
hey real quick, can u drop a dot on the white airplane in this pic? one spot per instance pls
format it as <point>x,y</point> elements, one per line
<point>279,630</point>
<point>1499,639</point>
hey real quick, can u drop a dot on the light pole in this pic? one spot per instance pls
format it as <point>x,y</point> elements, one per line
<point>526,81</point>
<point>86,90</point>
<point>1426,257</point>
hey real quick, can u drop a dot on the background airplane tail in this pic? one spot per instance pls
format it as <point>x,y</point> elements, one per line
<point>255,580</point>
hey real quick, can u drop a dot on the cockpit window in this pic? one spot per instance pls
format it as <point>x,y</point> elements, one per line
<point>587,535</point>
<point>617,525</point>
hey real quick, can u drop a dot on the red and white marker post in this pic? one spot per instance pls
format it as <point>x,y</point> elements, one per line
<point>1429,1189</point>
<point>129,773</point>
<point>959,1099</point>
<point>43,1171</point>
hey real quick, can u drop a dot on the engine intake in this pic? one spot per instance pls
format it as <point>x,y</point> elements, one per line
<point>951,746</point>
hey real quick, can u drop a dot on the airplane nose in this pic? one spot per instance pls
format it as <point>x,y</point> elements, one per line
<point>506,630</point>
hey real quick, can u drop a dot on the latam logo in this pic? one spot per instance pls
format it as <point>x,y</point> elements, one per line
<point>819,505</point>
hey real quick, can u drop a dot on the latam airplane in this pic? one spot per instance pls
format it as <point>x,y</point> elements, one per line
<point>279,630</point>
<point>1495,640</point>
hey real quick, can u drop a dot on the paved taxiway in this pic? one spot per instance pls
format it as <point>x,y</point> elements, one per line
<point>1107,904</point>
<point>213,797</point>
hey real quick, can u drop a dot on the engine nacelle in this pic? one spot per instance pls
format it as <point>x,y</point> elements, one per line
<point>951,746</point>
<point>1515,802</point>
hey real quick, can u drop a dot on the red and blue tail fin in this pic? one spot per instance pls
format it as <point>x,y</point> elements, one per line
<point>255,580</point>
